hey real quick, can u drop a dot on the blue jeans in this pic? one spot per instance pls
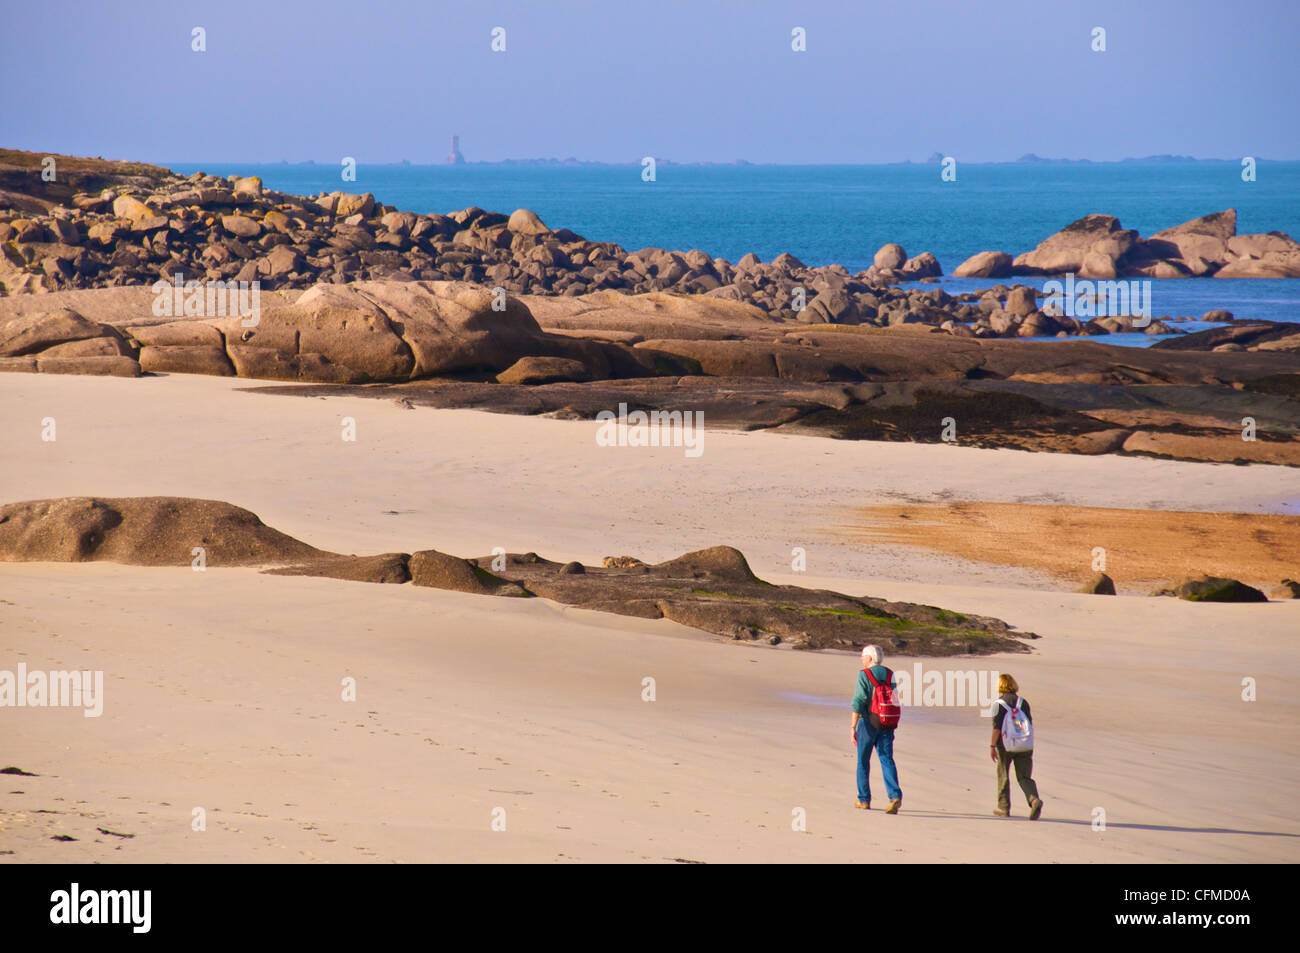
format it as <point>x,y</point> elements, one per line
<point>882,740</point>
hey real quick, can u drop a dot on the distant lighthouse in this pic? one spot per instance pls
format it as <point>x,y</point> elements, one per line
<point>455,158</point>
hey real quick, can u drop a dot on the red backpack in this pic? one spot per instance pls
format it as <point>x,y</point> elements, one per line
<point>885,709</point>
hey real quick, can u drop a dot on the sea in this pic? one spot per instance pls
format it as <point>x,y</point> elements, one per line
<point>843,213</point>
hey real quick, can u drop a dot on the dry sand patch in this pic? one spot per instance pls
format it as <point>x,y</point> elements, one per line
<point>1143,547</point>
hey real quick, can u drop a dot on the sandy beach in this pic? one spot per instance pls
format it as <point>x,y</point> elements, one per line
<point>222,688</point>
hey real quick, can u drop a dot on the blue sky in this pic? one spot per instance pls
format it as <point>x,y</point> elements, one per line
<point>689,80</point>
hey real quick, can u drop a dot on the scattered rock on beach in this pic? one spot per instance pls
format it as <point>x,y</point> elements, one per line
<point>1099,585</point>
<point>711,589</point>
<point>1204,588</point>
<point>1286,589</point>
<point>714,589</point>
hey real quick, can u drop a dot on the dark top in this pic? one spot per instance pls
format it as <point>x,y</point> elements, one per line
<point>999,712</point>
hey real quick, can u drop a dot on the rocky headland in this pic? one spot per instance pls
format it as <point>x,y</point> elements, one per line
<point>104,224</point>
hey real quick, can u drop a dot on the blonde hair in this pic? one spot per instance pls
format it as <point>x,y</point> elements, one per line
<point>1007,684</point>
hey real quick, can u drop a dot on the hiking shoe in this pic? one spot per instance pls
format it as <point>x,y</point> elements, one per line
<point>894,805</point>
<point>864,805</point>
<point>1035,808</point>
<point>1002,812</point>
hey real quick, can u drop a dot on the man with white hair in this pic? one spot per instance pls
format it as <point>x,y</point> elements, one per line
<point>876,683</point>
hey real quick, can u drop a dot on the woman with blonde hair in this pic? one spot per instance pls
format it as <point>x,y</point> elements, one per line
<point>1012,714</point>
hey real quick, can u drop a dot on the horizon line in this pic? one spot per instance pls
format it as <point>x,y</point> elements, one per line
<point>573,161</point>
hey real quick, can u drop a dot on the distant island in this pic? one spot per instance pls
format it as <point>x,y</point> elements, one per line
<point>1030,157</point>
<point>572,162</point>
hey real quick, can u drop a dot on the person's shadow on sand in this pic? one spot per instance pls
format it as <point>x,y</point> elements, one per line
<point>1109,824</point>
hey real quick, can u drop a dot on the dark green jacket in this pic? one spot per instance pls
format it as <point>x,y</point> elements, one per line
<point>862,695</point>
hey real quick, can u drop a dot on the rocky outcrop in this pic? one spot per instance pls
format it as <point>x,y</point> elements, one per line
<point>348,334</point>
<point>1203,588</point>
<point>1261,256</point>
<point>403,330</point>
<point>715,590</point>
<point>712,589</point>
<point>875,384</point>
<point>1067,249</point>
<point>207,229</point>
<point>1252,336</point>
<point>1096,246</point>
<point>1194,245</point>
<point>740,367</point>
<point>143,531</point>
<point>138,229</point>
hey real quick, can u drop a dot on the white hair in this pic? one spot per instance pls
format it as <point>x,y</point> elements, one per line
<point>874,653</point>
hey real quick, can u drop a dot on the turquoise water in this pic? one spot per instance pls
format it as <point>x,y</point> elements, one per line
<point>842,214</point>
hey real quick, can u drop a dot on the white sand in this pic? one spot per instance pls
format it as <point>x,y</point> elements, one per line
<point>222,689</point>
